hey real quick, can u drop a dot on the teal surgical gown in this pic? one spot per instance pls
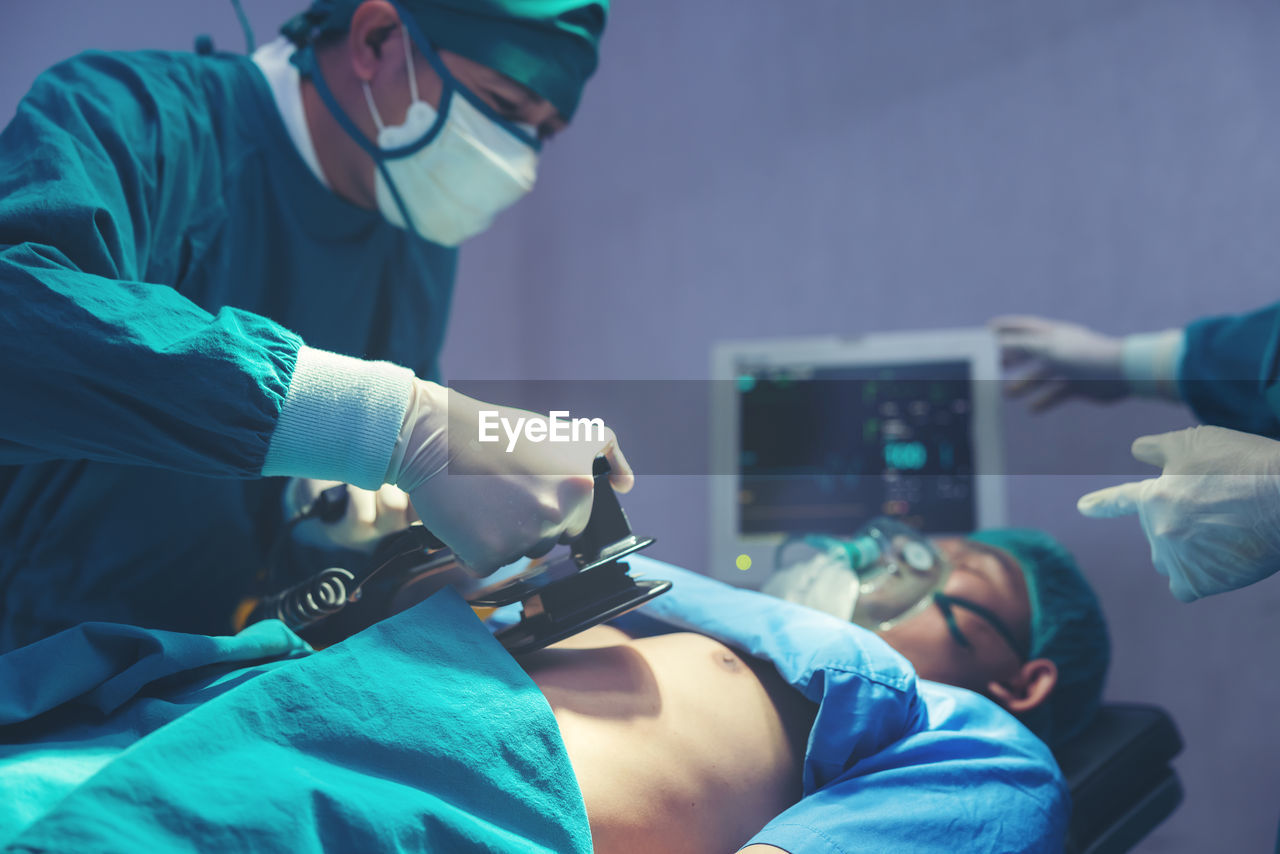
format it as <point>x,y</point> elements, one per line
<point>1230,371</point>
<point>419,735</point>
<point>164,252</point>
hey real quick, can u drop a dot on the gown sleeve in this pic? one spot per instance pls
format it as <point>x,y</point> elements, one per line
<point>101,364</point>
<point>108,176</point>
<point>1228,371</point>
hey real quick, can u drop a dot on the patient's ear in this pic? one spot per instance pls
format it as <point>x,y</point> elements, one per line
<point>1027,688</point>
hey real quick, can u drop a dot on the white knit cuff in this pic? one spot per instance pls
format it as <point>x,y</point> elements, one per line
<point>1151,361</point>
<point>340,419</point>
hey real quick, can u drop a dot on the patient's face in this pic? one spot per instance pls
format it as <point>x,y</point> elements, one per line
<point>989,577</point>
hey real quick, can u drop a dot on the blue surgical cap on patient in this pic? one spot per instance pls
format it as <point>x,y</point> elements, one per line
<point>1067,627</point>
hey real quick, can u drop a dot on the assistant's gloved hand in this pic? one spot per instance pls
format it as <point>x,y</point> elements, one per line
<point>1060,360</point>
<point>1212,517</point>
<point>492,506</point>
<point>369,515</point>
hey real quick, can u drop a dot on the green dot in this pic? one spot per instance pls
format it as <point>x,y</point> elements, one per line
<point>743,562</point>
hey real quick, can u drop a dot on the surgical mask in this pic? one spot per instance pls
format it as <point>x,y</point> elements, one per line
<point>453,186</point>
<point>883,574</point>
<point>442,174</point>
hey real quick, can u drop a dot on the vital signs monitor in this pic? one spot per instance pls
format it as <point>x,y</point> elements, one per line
<point>819,435</point>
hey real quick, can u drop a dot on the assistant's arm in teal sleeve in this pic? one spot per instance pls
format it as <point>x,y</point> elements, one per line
<point>1228,365</point>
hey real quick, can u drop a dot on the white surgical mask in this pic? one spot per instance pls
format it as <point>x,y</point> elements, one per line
<point>452,187</point>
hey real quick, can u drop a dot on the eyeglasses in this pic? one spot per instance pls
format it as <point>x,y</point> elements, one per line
<point>947,605</point>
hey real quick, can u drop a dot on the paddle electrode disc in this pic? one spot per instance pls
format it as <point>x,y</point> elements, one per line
<point>575,604</point>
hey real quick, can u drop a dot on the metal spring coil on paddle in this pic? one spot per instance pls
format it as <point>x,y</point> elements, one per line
<point>324,594</point>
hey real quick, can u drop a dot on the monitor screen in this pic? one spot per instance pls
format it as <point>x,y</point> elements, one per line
<point>824,449</point>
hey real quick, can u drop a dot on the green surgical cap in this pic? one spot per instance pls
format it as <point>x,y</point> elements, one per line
<point>1067,627</point>
<point>551,46</point>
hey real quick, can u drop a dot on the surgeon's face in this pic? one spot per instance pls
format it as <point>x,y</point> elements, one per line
<point>372,54</point>
<point>377,35</point>
<point>513,101</point>
<point>986,576</point>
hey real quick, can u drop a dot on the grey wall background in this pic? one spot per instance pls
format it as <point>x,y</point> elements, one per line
<point>768,168</point>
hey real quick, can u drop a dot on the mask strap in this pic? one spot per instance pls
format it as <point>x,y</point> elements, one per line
<point>945,604</point>
<point>413,84</point>
<point>454,86</point>
<point>408,60</point>
<point>305,60</point>
<point>373,108</point>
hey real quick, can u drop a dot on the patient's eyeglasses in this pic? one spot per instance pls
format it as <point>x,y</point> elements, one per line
<point>947,605</point>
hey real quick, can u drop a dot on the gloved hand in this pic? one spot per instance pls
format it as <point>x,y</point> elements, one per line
<point>369,516</point>
<point>492,506</point>
<point>1061,360</point>
<point>1212,517</point>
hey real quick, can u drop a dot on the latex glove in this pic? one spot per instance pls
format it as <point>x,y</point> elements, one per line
<point>1059,361</point>
<point>1212,517</point>
<point>369,516</point>
<point>492,506</point>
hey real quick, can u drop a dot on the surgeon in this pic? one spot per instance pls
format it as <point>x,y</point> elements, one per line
<point>220,272</point>
<point>1213,515</point>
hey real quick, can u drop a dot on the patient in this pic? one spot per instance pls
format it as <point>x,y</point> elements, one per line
<point>680,743</point>
<point>710,719</point>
